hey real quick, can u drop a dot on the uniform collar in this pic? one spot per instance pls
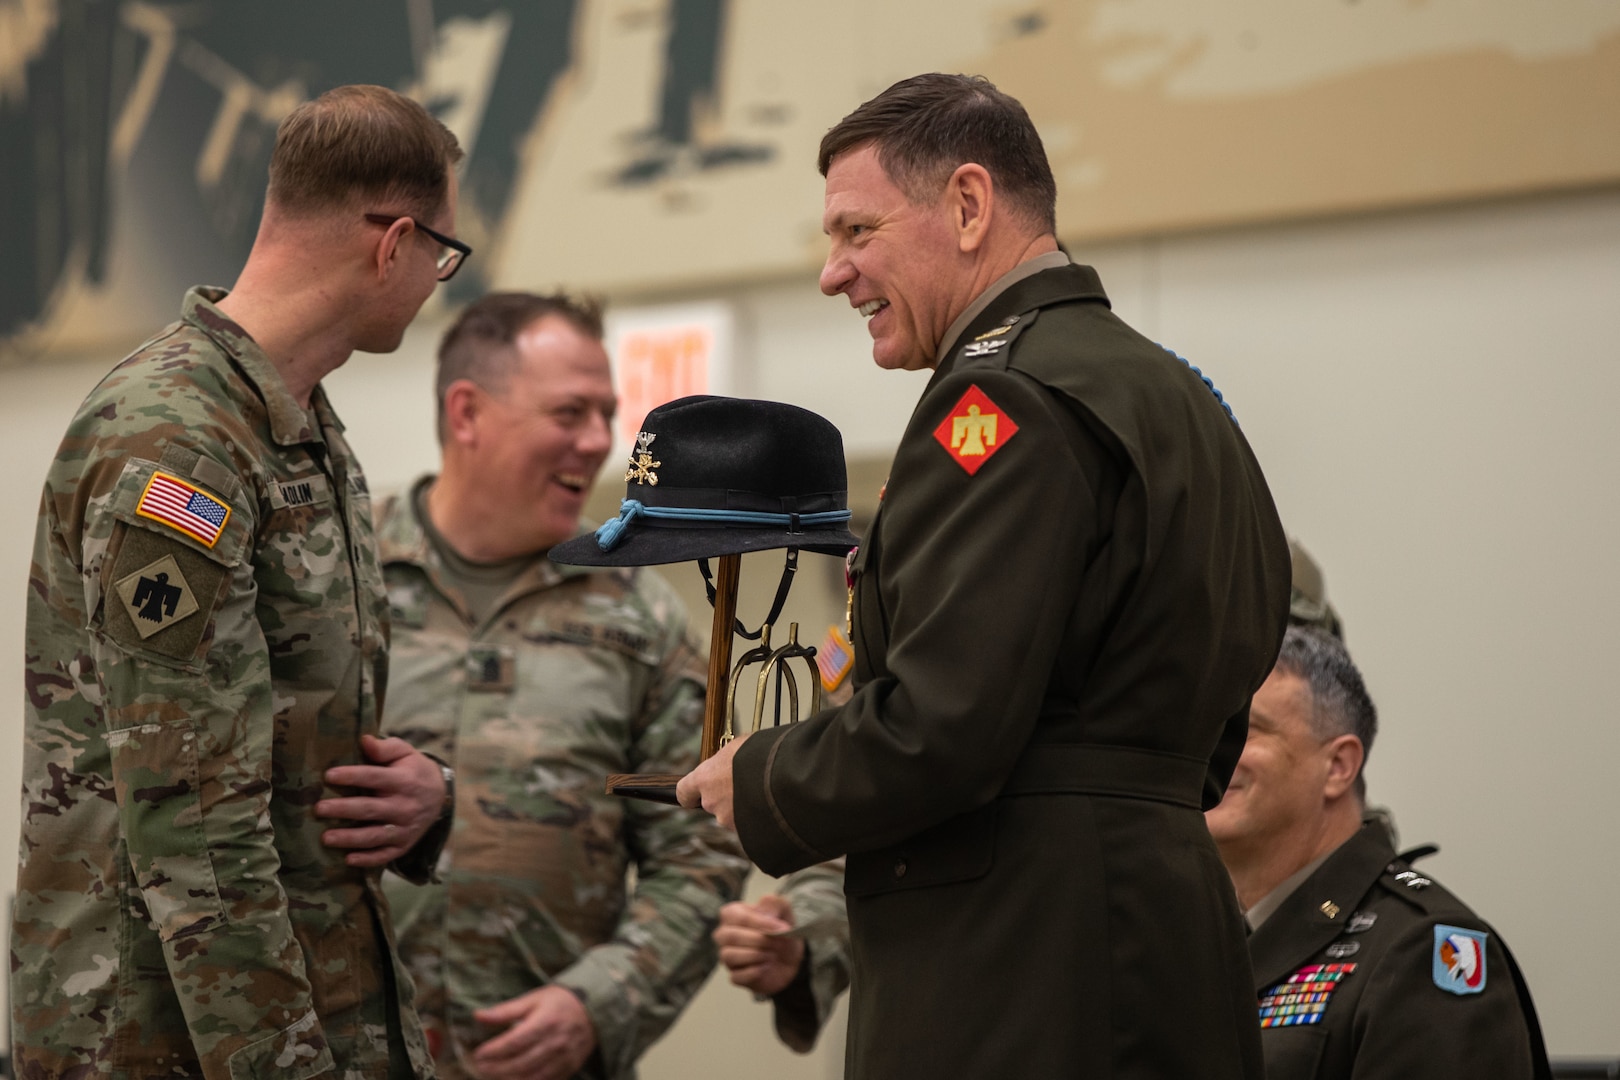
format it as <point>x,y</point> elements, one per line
<point>1039,288</point>
<point>1267,905</point>
<point>1052,260</point>
<point>402,539</point>
<point>289,421</point>
<point>1302,925</point>
<point>400,536</point>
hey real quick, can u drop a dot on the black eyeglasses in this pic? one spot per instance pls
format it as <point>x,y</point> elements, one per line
<point>450,260</point>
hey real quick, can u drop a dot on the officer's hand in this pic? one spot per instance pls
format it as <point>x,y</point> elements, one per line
<point>548,1036</point>
<point>756,958</point>
<point>709,785</point>
<point>407,796</point>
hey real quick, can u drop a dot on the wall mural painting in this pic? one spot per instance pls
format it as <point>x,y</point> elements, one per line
<point>644,145</point>
<point>146,128</point>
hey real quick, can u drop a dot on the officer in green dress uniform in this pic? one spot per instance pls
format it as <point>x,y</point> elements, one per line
<point>1075,583</point>
<point>1364,966</point>
<point>793,946</point>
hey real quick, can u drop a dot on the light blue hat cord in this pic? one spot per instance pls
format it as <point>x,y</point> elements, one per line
<point>609,535</point>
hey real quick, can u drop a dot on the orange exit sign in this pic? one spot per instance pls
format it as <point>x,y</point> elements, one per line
<point>660,354</point>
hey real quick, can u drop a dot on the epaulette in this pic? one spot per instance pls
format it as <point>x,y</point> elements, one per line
<point>1422,851</point>
<point>1415,887</point>
<point>991,348</point>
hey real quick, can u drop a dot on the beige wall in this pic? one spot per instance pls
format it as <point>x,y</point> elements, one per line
<point>1431,394</point>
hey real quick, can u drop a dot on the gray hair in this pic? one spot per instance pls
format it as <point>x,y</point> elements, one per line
<point>1340,704</point>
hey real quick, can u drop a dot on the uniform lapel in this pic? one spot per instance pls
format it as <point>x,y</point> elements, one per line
<point>1316,912</point>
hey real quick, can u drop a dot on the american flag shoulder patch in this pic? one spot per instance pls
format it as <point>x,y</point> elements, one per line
<point>1303,997</point>
<point>835,658</point>
<point>183,506</point>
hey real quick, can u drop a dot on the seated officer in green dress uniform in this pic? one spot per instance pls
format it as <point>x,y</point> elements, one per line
<point>1363,965</point>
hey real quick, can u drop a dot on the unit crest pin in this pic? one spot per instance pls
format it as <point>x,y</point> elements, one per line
<point>642,463</point>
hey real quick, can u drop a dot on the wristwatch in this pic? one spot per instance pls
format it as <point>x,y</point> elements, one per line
<point>449,774</point>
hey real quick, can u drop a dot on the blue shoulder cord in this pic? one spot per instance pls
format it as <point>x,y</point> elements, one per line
<point>1207,382</point>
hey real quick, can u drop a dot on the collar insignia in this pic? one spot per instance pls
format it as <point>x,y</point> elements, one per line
<point>979,347</point>
<point>642,463</point>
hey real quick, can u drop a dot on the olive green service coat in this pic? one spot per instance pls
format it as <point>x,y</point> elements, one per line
<point>1361,934</point>
<point>1075,583</point>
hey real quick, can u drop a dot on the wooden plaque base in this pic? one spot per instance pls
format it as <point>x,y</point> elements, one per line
<point>654,787</point>
<point>660,787</point>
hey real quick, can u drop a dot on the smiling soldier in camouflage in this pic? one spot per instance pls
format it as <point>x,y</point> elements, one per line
<point>206,658</point>
<point>532,960</point>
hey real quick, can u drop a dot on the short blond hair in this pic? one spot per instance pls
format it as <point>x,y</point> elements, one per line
<point>362,144</point>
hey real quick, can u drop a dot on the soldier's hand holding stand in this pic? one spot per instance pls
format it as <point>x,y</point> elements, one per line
<point>753,946</point>
<point>709,785</point>
<point>548,1036</point>
<point>407,797</point>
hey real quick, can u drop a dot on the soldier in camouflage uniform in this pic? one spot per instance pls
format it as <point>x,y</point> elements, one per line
<point>530,958</point>
<point>803,971</point>
<point>206,657</point>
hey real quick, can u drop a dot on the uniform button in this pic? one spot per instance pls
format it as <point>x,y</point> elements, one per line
<point>899,868</point>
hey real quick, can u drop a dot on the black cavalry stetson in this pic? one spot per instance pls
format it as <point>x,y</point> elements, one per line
<point>714,476</point>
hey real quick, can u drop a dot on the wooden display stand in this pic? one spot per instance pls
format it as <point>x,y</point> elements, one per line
<point>660,787</point>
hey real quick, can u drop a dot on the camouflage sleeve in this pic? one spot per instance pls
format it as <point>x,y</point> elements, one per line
<point>687,867</point>
<point>816,895</point>
<point>184,675</point>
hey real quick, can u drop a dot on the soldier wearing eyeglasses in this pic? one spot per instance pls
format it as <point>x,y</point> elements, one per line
<point>207,802</point>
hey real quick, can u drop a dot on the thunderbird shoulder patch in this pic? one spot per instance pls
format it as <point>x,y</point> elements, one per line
<point>1303,997</point>
<point>1459,959</point>
<point>166,591</point>
<point>975,429</point>
<point>184,507</point>
<point>156,596</point>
